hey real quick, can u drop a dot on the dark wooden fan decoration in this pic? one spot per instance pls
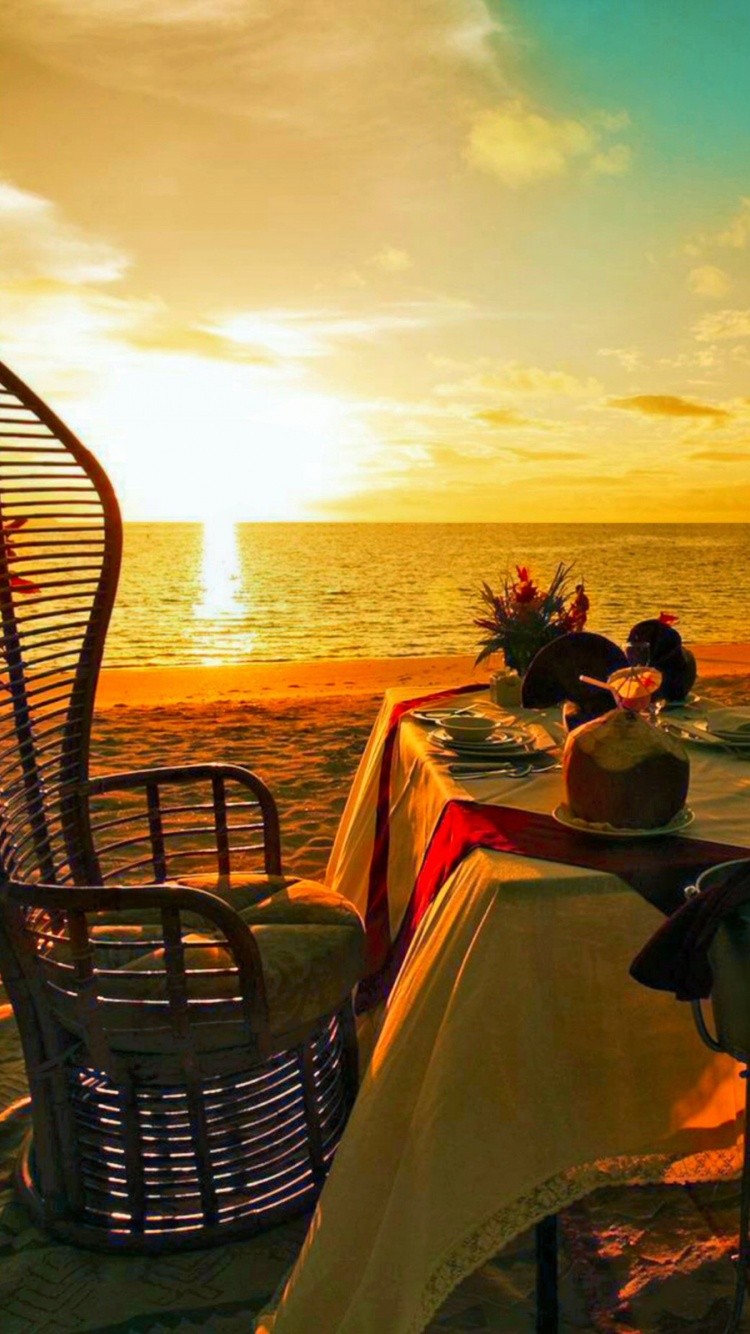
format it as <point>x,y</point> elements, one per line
<point>554,675</point>
<point>668,655</point>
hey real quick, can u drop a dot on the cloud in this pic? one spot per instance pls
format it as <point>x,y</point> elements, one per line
<point>720,456</point>
<point>37,242</point>
<point>391,260</point>
<point>708,280</point>
<point>292,333</point>
<point>669,405</point>
<point>628,357</point>
<point>533,380</point>
<point>162,334</point>
<point>614,161</point>
<point>736,234</point>
<point>347,69</point>
<point>519,145</point>
<point>502,417</point>
<point>549,455</point>
<point>723,324</point>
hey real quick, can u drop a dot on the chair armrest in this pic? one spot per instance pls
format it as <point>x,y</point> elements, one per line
<point>153,780</point>
<point>72,904</point>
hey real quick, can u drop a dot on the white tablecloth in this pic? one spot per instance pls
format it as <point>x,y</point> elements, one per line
<point>518,1066</point>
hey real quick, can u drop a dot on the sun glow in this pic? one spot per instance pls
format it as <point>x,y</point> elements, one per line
<point>187,438</point>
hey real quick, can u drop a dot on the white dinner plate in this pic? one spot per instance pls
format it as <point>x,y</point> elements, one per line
<point>681,821</point>
<point>502,743</point>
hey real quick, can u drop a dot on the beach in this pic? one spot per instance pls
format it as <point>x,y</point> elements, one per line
<point>301,725</point>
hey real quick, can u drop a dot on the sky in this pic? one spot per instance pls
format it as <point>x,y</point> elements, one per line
<point>465,260</point>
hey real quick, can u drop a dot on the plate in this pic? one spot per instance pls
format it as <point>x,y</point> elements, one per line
<point>681,821</point>
<point>502,743</point>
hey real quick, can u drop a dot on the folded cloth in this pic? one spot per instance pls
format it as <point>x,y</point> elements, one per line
<point>676,957</point>
<point>729,720</point>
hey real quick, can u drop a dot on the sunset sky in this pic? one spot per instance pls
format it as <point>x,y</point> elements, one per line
<point>385,259</point>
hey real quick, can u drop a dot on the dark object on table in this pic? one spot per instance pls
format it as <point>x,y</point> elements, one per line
<point>182,1091</point>
<point>666,652</point>
<point>554,676</point>
<point>676,958</point>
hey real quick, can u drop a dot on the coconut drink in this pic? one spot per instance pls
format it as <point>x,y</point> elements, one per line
<point>620,770</point>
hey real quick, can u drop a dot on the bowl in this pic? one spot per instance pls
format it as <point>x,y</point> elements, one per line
<point>469,727</point>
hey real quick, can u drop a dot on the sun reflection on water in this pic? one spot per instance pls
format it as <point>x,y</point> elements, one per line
<point>221,600</point>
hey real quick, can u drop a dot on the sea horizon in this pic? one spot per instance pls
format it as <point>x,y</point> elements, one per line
<point>226,593</point>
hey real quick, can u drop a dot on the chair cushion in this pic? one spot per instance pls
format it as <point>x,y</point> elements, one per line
<point>311,943</point>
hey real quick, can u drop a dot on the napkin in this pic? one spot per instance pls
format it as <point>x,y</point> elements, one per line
<point>730,720</point>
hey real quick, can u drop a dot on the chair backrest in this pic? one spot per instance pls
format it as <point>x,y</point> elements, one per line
<point>60,550</point>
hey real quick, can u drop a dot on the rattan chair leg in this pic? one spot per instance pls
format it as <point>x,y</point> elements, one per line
<point>547,1312</point>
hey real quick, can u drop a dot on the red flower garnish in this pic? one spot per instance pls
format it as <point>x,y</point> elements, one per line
<point>666,618</point>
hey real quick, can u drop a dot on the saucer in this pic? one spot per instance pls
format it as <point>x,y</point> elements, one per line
<point>676,825</point>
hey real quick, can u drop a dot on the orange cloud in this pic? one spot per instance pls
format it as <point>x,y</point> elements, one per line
<point>720,456</point>
<point>669,405</point>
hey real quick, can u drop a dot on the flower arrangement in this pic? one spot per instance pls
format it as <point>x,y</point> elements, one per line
<point>523,617</point>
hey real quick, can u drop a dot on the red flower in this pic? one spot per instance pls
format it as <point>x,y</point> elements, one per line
<point>667,618</point>
<point>525,590</point>
<point>20,584</point>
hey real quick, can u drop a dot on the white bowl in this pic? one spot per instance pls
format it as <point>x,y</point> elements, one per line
<point>470,727</point>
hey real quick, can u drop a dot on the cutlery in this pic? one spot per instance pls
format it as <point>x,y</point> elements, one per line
<point>507,771</point>
<point>687,732</point>
<point>520,769</point>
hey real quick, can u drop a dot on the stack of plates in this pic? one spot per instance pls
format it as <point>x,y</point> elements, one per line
<point>503,744</point>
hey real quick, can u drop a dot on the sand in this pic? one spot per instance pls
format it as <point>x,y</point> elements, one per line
<point>301,726</point>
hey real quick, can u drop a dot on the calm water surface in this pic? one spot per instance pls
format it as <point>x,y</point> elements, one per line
<point>218,593</point>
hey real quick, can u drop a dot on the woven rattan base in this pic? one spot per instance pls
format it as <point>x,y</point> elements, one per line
<point>271,1133</point>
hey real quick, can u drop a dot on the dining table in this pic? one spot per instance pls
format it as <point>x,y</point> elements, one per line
<point>511,1063</point>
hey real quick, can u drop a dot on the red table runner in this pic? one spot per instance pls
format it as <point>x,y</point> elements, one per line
<point>376,915</point>
<point>659,870</point>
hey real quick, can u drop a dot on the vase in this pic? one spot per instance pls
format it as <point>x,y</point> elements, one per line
<point>505,689</point>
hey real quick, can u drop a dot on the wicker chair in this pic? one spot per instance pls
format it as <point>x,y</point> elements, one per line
<point>189,1040</point>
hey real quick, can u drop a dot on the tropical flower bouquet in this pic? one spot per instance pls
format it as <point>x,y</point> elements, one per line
<point>524,617</point>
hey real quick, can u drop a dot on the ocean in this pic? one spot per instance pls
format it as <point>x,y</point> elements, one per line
<point>252,592</point>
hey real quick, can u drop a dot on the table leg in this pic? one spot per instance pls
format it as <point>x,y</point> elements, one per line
<point>546,1276</point>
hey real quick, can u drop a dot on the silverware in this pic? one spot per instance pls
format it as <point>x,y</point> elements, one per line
<point>506,772</point>
<point>520,770</point>
<point>687,732</point>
